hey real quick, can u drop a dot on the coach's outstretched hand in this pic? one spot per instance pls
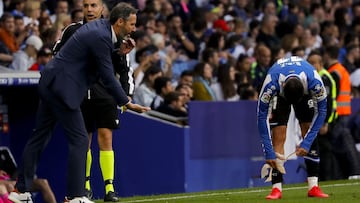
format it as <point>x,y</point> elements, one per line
<point>138,108</point>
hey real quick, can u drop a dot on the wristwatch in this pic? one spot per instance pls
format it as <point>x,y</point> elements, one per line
<point>183,37</point>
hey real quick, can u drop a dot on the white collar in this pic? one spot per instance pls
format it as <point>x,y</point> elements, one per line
<point>114,38</point>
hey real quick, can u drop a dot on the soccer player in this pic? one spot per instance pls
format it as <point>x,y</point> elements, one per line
<point>292,82</point>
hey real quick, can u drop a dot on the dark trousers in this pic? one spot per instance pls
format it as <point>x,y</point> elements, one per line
<point>52,110</point>
<point>327,158</point>
<point>343,145</point>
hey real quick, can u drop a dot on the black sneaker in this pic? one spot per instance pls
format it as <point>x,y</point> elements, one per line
<point>111,197</point>
<point>88,194</point>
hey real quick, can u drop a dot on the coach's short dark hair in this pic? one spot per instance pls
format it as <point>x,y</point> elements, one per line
<point>121,10</point>
<point>293,90</point>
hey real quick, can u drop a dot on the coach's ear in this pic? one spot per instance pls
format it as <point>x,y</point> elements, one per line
<point>120,22</point>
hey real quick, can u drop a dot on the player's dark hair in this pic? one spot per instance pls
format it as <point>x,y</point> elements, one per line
<point>293,90</point>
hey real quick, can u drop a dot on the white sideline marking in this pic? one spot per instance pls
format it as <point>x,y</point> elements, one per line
<point>229,193</point>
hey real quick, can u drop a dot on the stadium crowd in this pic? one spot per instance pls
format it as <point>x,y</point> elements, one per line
<point>207,50</point>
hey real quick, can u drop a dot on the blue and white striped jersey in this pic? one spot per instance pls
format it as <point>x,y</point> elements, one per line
<point>273,85</point>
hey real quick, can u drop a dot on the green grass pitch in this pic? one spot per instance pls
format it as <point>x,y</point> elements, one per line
<point>343,191</point>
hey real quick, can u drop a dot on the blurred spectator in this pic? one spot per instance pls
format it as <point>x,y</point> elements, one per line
<point>50,36</point>
<point>152,8</point>
<point>44,11</point>
<point>225,87</point>
<point>161,28</point>
<point>316,15</point>
<point>7,32</point>
<point>216,41</point>
<point>8,176</point>
<point>44,24</point>
<point>178,38</point>
<point>298,30</point>
<point>24,59</point>
<point>77,15</point>
<point>351,58</point>
<point>290,12</point>
<point>247,92</point>
<point>77,5</point>
<point>162,86</point>
<point>230,22</point>
<point>145,93</point>
<point>254,29</point>
<point>329,8</point>
<point>267,34</point>
<point>197,36</point>
<point>329,33</point>
<point>260,67</point>
<point>266,8</point>
<point>355,25</point>
<point>5,55</point>
<point>277,52</point>
<point>355,84</point>
<point>240,27</point>
<point>62,21</point>
<point>342,20</point>
<point>43,57</point>
<point>349,38</point>
<point>220,25</point>
<point>186,77</point>
<point>355,10</point>
<point>288,43</point>
<point>146,23</point>
<point>21,31</point>
<point>311,39</point>
<point>211,57</point>
<point>242,68</point>
<point>233,46</point>
<point>166,9</point>
<point>187,92</point>
<point>166,54</point>
<point>240,9</point>
<point>202,82</point>
<point>184,8</point>
<point>299,51</point>
<point>146,58</point>
<point>173,105</point>
<point>62,7</point>
<point>32,13</point>
<point>141,40</point>
<point>17,7</point>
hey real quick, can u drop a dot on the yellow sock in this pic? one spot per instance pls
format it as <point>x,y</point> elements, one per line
<point>107,169</point>
<point>88,169</point>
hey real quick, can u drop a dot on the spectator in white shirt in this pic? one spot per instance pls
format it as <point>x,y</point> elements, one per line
<point>23,59</point>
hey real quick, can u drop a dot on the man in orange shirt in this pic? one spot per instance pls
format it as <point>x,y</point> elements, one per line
<point>7,32</point>
<point>343,142</point>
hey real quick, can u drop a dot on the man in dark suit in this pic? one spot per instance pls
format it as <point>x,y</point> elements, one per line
<point>83,60</point>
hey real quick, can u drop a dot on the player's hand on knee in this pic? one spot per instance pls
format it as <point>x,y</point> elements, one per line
<point>271,162</point>
<point>301,151</point>
<point>324,129</point>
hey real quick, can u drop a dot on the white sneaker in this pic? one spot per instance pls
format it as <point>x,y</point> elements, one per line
<point>354,177</point>
<point>20,197</point>
<point>80,200</point>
